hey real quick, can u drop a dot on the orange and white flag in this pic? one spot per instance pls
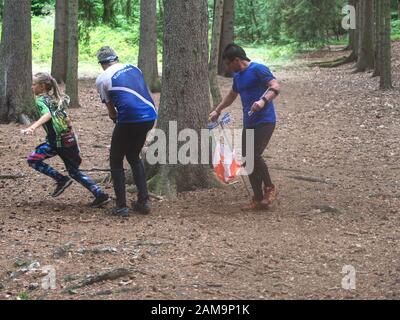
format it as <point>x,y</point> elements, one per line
<point>225,165</point>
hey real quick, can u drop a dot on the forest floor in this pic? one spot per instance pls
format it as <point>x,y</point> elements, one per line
<point>335,130</point>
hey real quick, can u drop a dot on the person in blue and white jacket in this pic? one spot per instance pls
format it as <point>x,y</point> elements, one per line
<point>124,91</point>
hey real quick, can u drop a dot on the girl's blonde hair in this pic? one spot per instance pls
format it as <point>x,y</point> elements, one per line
<point>50,84</point>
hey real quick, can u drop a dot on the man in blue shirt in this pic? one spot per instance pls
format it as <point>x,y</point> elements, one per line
<point>251,81</point>
<point>123,89</point>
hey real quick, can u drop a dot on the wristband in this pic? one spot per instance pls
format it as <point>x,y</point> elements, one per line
<point>275,91</point>
<point>265,100</point>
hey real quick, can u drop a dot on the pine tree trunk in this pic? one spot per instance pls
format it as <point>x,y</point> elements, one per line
<point>128,12</point>
<point>366,49</point>
<point>227,34</point>
<point>357,32</point>
<point>60,43</point>
<point>378,37</point>
<point>185,90</point>
<point>71,87</point>
<point>108,12</point>
<point>148,61</point>
<point>215,46</point>
<point>386,66</point>
<point>16,61</point>
<point>352,33</point>
<point>398,10</point>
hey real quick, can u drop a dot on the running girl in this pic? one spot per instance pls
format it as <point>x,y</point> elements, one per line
<point>61,141</point>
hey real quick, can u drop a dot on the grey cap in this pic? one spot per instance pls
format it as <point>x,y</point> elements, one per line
<point>106,55</point>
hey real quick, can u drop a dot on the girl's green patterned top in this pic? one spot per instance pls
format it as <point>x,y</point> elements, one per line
<point>59,123</point>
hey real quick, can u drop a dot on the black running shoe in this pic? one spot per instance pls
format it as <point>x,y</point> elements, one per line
<point>141,207</point>
<point>100,201</point>
<point>120,212</point>
<point>61,187</point>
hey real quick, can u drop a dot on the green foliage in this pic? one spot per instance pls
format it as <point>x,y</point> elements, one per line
<point>269,29</point>
<point>123,40</point>
<point>42,7</point>
<point>289,21</point>
<point>23,296</point>
<point>396,30</point>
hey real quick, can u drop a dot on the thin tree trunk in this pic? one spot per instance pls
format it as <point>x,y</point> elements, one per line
<point>16,61</point>
<point>227,34</point>
<point>215,45</point>
<point>386,67</point>
<point>366,49</point>
<point>352,33</point>
<point>378,38</point>
<point>60,43</point>
<point>108,12</point>
<point>357,31</point>
<point>148,61</point>
<point>128,13</point>
<point>71,87</point>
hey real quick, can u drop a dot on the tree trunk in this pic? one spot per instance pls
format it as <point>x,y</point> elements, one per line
<point>128,13</point>
<point>386,50</point>
<point>16,61</point>
<point>366,49</point>
<point>378,38</point>
<point>148,61</point>
<point>215,46</point>
<point>357,32</point>
<point>227,34</point>
<point>185,91</point>
<point>108,12</point>
<point>398,10</point>
<point>60,43</point>
<point>71,87</point>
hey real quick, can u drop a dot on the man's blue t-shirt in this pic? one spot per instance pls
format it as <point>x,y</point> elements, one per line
<point>125,87</point>
<point>251,84</point>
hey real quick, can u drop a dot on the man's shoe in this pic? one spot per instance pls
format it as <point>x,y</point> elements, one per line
<point>120,212</point>
<point>256,206</point>
<point>270,195</point>
<point>61,187</point>
<point>141,207</point>
<point>100,201</point>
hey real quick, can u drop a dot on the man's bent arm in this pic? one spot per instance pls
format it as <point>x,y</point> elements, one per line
<point>276,88</point>
<point>227,101</point>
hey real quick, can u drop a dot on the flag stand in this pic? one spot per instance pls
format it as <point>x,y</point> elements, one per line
<point>226,119</point>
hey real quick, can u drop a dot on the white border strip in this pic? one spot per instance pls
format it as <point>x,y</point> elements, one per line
<point>134,93</point>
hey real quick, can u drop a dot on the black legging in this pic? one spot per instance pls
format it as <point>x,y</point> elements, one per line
<point>128,140</point>
<point>260,174</point>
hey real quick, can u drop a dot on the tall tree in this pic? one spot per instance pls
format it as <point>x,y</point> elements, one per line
<point>148,44</point>
<point>108,12</point>
<point>378,36</point>
<point>386,46</point>
<point>227,34</point>
<point>71,87</point>
<point>185,91</point>
<point>128,10</point>
<point>366,43</point>
<point>16,61</point>
<point>60,43</point>
<point>215,47</point>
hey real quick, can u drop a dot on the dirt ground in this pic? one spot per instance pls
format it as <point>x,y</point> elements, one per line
<point>335,130</point>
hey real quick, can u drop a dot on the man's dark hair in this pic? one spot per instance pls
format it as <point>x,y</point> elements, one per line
<point>233,51</point>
